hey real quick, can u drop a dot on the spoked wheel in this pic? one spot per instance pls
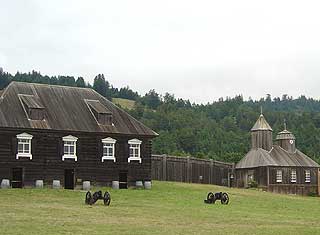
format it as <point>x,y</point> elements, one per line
<point>210,197</point>
<point>225,199</point>
<point>107,199</point>
<point>88,198</point>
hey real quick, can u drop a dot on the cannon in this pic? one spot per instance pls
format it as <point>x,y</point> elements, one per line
<point>212,197</point>
<point>93,198</point>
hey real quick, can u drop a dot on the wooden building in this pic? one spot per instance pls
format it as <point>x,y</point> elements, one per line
<point>276,167</point>
<point>69,134</point>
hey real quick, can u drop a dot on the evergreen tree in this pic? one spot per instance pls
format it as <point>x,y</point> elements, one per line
<point>80,82</point>
<point>99,85</point>
<point>151,99</point>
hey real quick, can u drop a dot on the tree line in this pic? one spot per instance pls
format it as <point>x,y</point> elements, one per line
<point>221,130</point>
<point>100,84</point>
<point>218,130</point>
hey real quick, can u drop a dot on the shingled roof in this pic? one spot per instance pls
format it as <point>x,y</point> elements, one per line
<point>261,124</point>
<point>66,109</point>
<point>276,157</point>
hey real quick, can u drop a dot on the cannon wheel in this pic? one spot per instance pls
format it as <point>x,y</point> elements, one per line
<point>88,198</point>
<point>225,199</point>
<point>107,199</point>
<point>210,196</point>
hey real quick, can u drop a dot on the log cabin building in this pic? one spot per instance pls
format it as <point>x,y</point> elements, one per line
<point>69,134</point>
<point>276,167</point>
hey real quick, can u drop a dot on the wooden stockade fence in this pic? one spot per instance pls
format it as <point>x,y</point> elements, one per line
<point>191,170</point>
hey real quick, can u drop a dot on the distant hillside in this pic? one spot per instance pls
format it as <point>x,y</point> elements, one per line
<point>124,103</point>
<point>219,130</point>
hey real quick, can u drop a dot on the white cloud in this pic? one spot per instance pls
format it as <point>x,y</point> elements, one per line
<point>200,50</point>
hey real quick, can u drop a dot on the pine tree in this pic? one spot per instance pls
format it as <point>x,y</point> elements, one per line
<point>99,85</point>
<point>80,82</point>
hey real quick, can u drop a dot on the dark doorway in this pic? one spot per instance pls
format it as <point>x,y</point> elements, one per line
<point>123,180</point>
<point>17,178</point>
<point>69,179</point>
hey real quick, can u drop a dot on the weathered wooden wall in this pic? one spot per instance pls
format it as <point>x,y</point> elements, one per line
<point>266,179</point>
<point>261,139</point>
<point>300,187</point>
<point>318,182</point>
<point>47,164</point>
<point>259,175</point>
<point>190,170</point>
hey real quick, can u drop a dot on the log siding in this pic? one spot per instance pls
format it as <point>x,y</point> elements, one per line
<point>47,163</point>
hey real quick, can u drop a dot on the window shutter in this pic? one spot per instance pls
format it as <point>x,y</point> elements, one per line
<point>117,150</point>
<point>60,148</point>
<point>126,151</point>
<point>14,145</point>
<point>33,146</point>
<point>78,147</point>
<point>99,152</point>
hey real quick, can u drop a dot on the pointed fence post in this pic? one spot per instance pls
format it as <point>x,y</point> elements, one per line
<point>164,167</point>
<point>211,172</point>
<point>189,174</point>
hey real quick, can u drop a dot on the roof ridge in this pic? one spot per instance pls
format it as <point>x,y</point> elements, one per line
<point>285,149</point>
<point>49,85</point>
<point>4,91</point>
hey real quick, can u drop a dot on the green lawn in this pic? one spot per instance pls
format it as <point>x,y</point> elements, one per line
<point>124,103</point>
<point>169,208</point>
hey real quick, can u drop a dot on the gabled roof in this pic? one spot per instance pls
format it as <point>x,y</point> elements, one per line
<point>261,124</point>
<point>256,158</point>
<point>276,157</point>
<point>65,109</point>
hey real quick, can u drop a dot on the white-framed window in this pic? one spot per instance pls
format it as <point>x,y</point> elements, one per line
<point>134,150</point>
<point>307,176</point>
<point>293,176</point>
<point>108,153</point>
<point>24,146</point>
<point>69,147</point>
<point>279,176</point>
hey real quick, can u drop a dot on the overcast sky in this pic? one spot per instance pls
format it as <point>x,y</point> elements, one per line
<point>197,50</point>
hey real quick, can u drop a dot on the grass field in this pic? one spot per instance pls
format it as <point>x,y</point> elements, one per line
<point>169,208</point>
<point>124,103</point>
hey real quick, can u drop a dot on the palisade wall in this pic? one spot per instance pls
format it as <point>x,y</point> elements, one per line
<point>190,170</point>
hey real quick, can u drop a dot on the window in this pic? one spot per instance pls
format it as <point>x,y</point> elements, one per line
<point>279,176</point>
<point>69,147</point>
<point>100,112</point>
<point>24,145</point>
<point>308,176</point>
<point>108,145</point>
<point>134,150</point>
<point>32,107</point>
<point>293,176</point>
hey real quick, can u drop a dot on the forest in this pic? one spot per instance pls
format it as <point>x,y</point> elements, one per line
<point>218,130</point>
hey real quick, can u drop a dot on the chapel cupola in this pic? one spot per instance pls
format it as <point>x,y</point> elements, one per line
<point>261,134</point>
<point>286,140</point>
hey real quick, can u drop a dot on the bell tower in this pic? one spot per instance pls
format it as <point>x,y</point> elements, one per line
<point>286,140</point>
<point>261,134</point>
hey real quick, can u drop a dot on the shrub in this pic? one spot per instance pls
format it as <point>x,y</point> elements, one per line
<point>253,184</point>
